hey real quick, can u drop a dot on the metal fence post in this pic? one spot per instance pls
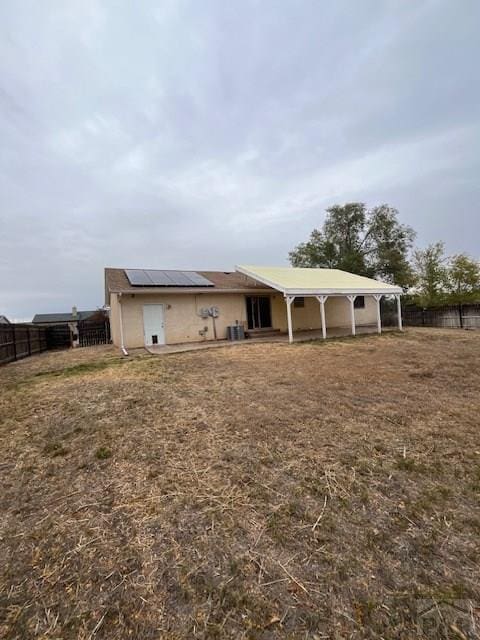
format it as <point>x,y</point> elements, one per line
<point>460,313</point>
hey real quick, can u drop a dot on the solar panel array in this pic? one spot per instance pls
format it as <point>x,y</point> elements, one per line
<point>161,278</point>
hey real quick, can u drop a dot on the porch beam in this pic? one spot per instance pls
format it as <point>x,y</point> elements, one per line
<point>378,298</point>
<point>289,300</point>
<point>399,312</point>
<point>322,300</point>
<point>352,313</point>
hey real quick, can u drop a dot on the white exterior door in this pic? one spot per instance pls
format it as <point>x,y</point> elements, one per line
<point>154,324</point>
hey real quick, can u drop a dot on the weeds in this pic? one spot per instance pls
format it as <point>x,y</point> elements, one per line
<point>406,464</point>
<point>269,492</point>
<point>102,453</point>
<point>55,449</point>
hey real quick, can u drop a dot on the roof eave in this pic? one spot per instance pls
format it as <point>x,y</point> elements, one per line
<point>173,290</point>
<point>342,291</point>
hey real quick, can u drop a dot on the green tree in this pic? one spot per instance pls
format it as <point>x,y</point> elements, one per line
<point>431,274</point>
<point>369,242</point>
<point>463,278</point>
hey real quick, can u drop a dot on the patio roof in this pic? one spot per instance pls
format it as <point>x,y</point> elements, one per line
<point>303,281</point>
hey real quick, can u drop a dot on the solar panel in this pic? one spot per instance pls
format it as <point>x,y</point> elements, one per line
<point>138,277</point>
<point>183,278</point>
<point>158,278</point>
<point>163,278</point>
<point>170,278</point>
<point>198,280</point>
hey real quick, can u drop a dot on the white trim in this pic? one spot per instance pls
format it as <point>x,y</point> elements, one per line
<point>399,312</point>
<point>296,292</point>
<point>322,300</point>
<point>289,300</point>
<point>342,292</point>
<point>169,290</point>
<point>379,315</point>
<point>352,312</point>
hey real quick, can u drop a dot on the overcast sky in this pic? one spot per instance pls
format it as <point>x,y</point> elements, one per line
<point>206,134</point>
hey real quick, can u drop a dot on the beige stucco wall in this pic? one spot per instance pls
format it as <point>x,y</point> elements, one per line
<point>337,313</point>
<point>303,319</point>
<point>182,320</point>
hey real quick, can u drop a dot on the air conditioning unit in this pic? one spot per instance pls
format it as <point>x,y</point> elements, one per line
<point>236,332</point>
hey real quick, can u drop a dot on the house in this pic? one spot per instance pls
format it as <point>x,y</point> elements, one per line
<point>4,320</point>
<point>70,321</point>
<point>149,307</point>
<point>48,319</point>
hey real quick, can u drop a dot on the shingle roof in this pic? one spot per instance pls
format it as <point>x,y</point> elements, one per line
<point>116,281</point>
<point>62,317</point>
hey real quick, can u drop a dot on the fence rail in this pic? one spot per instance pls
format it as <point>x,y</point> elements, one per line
<point>455,316</point>
<point>91,335</point>
<point>20,341</point>
<point>461,316</point>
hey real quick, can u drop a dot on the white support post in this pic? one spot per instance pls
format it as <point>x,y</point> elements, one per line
<point>352,312</point>
<point>379,315</point>
<point>289,300</point>
<point>399,312</point>
<point>322,300</point>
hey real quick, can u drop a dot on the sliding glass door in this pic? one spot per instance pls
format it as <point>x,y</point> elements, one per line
<point>258,312</point>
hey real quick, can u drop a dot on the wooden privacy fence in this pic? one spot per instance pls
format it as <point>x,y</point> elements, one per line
<point>59,336</point>
<point>455,316</point>
<point>459,316</point>
<point>20,341</point>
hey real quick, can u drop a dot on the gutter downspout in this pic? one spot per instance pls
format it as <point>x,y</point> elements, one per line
<point>122,344</point>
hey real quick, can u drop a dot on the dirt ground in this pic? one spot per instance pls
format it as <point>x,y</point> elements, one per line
<point>319,490</point>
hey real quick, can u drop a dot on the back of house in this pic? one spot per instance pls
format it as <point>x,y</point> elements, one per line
<point>156,307</point>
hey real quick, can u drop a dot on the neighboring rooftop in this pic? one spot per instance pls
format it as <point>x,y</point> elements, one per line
<point>4,320</point>
<point>58,318</point>
<point>310,280</point>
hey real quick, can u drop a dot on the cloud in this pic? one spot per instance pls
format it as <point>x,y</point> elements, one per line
<point>201,135</point>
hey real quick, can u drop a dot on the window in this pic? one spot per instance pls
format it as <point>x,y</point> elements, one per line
<point>299,302</point>
<point>359,302</point>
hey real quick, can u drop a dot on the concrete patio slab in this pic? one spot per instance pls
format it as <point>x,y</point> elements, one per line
<point>299,336</point>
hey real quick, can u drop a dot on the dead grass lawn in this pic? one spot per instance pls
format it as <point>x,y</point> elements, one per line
<point>263,491</point>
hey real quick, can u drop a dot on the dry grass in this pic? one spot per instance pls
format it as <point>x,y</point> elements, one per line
<point>313,491</point>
